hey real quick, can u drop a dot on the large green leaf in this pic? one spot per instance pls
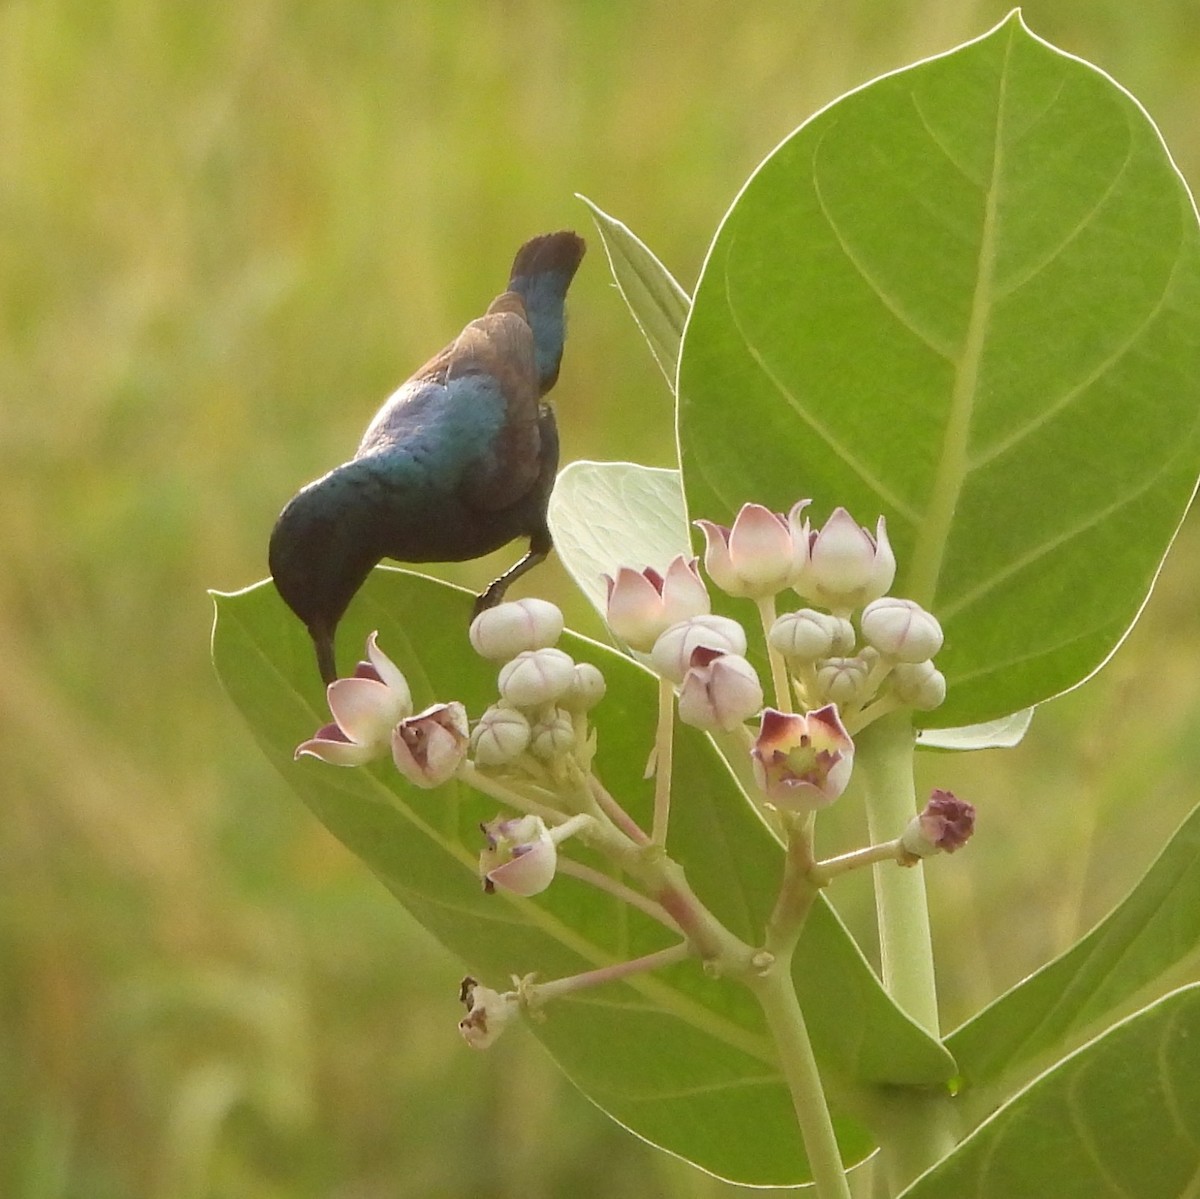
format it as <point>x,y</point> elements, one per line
<point>1136,946</point>
<point>680,1058</point>
<point>1120,1117</point>
<point>604,515</point>
<point>966,296</point>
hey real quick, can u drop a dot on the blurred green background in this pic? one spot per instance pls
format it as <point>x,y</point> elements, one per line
<point>227,231</point>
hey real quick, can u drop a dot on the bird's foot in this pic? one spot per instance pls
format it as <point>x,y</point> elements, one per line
<point>491,597</point>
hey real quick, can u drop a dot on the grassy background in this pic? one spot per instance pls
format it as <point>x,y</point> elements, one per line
<point>227,231</point>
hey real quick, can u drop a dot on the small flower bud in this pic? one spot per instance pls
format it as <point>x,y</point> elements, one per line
<point>553,735</point>
<point>501,633</point>
<point>843,681</point>
<point>429,748</point>
<point>944,826</point>
<point>901,629</point>
<point>536,677</point>
<point>762,553</point>
<point>806,635</point>
<point>920,685</point>
<point>719,691</point>
<point>587,689</point>
<point>501,735</point>
<point>641,604</point>
<point>847,567</point>
<point>520,856</point>
<point>802,762</point>
<point>487,1013</point>
<point>672,652</point>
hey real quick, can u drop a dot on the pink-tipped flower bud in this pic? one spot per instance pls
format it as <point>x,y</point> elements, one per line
<point>488,1012</point>
<point>719,691</point>
<point>501,633</point>
<point>843,681</point>
<point>802,763</point>
<point>763,553</point>
<point>847,567</point>
<point>501,735</point>
<point>429,748</point>
<point>520,856</point>
<point>945,825</point>
<point>587,689</point>
<point>552,735</point>
<point>919,685</point>
<point>901,628</point>
<point>672,652</point>
<point>536,677</point>
<point>641,604</point>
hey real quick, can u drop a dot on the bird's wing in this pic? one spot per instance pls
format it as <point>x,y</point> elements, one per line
<point>492,366</point>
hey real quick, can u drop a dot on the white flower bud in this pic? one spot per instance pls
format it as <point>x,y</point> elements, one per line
<point>587,689</point>
<point>920,685</point>
<point>672,652</point>
<point>806,635</point>
<point>502,632</point>
<point>501,735</point>
<point>843,681</point>
<point>552,736</point>
<point>536,677</point>
<point>902,629</point>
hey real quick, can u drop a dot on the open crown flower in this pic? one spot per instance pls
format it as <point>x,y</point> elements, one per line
<point>429,747</point>
<point>761,554</point>
<point>719,691</point>
<point>520,855</point>
<point>802,762</point>
<point>366,707</point>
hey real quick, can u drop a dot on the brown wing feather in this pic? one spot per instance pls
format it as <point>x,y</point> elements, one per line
<point>499,345</point>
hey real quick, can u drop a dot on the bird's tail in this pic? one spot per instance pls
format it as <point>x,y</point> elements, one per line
<point>541,273</point>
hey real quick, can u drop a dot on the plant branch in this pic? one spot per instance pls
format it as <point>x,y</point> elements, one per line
<point>619,890</point>
<point>777,997</point>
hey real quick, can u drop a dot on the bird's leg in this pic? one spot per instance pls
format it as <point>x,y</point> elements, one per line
<point>540,546</point>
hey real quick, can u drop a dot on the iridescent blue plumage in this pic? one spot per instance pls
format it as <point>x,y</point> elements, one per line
<point>457,463</point>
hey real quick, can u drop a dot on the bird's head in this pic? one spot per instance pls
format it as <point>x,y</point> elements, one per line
<point>319,557</point>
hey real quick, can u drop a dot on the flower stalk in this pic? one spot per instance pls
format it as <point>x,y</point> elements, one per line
<point>664,744</point>
<point>779,674</point>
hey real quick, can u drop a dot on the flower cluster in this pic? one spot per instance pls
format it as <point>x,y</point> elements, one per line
<point>539,722</point>
<point>852,655</point>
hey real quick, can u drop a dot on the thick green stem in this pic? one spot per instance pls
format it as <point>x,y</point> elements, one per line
<point>777,996</point>
<point>884,757</point>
